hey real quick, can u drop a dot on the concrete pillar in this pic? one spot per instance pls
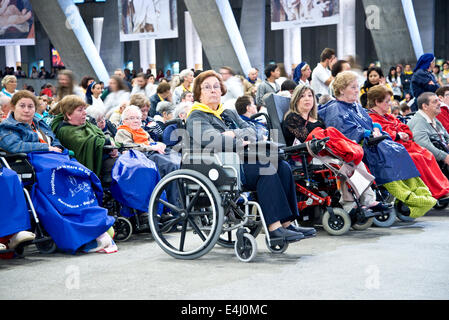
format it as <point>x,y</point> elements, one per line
<point>12,56</point>
<point>98,30</point>
<point>346,32</point>
<point>292,49</point>
<point>112,50</point>
<point>216,26</point>
<point>252,29</point>
<point>394,30</point>
<point>65,28</point>
<point>151,53</point>
<point>194,47</point>
<point>425,17</point>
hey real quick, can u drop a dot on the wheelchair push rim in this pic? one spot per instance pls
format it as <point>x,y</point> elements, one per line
<point>199,212</point>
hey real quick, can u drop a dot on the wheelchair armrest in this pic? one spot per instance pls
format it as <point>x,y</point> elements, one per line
<point>13,156</point>
<point>315,146</point>
<point>372,141</point>
<point>110,148</point>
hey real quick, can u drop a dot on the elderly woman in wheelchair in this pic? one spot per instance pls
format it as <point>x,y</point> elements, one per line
<point>101,154</point>
<point>210,184</point>
<point>23,132</point>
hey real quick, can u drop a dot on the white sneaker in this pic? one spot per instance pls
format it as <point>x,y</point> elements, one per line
<point>20,237</point>
<point>2,247</point>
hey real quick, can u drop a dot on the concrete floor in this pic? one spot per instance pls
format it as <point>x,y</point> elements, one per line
<point>405,261</point>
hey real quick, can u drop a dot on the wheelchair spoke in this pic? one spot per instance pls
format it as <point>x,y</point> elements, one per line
<point>182,194</point>
<point>169,205</point>
<point>194,200</point>
<point>197,230</point>
<point>183,235</point>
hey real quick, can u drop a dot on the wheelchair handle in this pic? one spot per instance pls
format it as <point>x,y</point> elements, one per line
<point>315,145</point>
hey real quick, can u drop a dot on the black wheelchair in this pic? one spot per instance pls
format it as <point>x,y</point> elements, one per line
<point>213,207</point>
<point>20,164</point>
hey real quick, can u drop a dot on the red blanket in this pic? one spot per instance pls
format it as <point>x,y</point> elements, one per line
<point>341,146</point>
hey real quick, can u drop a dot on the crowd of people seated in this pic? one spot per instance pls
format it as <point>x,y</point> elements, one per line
<point>410,107</point>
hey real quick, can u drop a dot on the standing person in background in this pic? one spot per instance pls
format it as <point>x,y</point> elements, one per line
<point>233,84</point>
<point>118,94</point>
<point>302,74</point>
<point>66,85</point>
<point>186,78</point>
<point>394,80</point>
<point>423,80</point>
<point>272,72</point>
<point>140,84</point>
<point>406,78</point>
<point>251,83</point>
<point>321,75</point>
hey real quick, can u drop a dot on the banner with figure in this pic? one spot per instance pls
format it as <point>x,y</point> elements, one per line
<point>287,14</point>
<point>147,19</point>
<point>16,23</point>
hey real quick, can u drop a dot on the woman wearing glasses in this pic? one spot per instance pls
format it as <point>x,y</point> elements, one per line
<point>213,128</point>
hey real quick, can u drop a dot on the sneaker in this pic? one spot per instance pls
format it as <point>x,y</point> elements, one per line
<point>20,237</point>
<point>2,247</point>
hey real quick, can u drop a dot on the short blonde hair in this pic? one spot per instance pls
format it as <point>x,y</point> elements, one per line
<point>342,80</point>
<point>139,100</point>
<point>7,79</point>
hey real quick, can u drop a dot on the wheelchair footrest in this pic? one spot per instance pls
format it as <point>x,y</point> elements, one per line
<point>277,241</point>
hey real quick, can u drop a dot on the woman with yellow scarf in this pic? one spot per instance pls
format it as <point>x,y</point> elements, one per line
<point>215,129</point>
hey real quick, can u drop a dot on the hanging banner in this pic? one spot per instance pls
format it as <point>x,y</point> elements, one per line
<point>287,14</point>
<point>16,23</point>
<point>147,19</point>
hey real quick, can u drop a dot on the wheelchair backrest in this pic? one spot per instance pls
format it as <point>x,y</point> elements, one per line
<point>223,169</point>
<point>277,106</point>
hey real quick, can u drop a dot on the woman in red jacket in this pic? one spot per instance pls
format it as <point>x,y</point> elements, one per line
<point>379,98</point>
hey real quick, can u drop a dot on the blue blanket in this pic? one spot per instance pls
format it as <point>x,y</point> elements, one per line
<point>14,216</point>
<point>134,178</point>
<point>66,197</point>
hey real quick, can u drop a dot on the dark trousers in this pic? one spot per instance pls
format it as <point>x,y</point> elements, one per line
<point>276,190</point>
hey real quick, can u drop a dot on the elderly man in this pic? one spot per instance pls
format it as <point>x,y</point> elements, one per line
<point>427,129</point>
<point>251,83</point>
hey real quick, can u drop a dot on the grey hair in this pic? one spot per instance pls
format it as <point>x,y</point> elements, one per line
<point>95,112</point>
<point>165,106</point>
<point>180,108</point>
<point>129,109</point>
<point>7,79</point>
<point>184,73</point>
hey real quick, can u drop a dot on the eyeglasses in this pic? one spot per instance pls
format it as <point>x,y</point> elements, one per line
<point>209,88</point>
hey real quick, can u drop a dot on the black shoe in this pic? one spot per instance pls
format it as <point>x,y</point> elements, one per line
<point>307,232</point>
<point>144,218</point>
<point>381,206</point>
<point>287,235</point>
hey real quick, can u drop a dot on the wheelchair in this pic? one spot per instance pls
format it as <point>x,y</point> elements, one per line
<point>128,221</point>
<point>213,207</point>
<point>318,185</point>
<point>19,163</point>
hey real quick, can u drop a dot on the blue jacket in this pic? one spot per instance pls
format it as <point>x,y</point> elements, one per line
<point>388,161</point>
<point>420,83</point>
<point>16,137</point>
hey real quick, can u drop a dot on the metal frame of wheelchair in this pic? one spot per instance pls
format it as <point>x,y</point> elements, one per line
<point>277,106</point>
<point>213,209</point>
<point>20,164</point>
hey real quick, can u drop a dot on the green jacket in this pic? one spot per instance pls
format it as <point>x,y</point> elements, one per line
<point>86,141</point>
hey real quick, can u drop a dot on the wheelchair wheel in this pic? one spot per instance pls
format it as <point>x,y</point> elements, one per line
<point>246,249</point>
<point>363,225</point>
<point>278,248</point>
<point>227,239</point>
<point>198,210</point>
<point>339,225</point>
<point>402,212</point>
<point>123,229</point>
<point>385,220</point>
<point>441,206</point>
<point>43,241</point>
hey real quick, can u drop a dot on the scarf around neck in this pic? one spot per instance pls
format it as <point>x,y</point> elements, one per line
<point>204,108</point>
<point>140,136</point>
